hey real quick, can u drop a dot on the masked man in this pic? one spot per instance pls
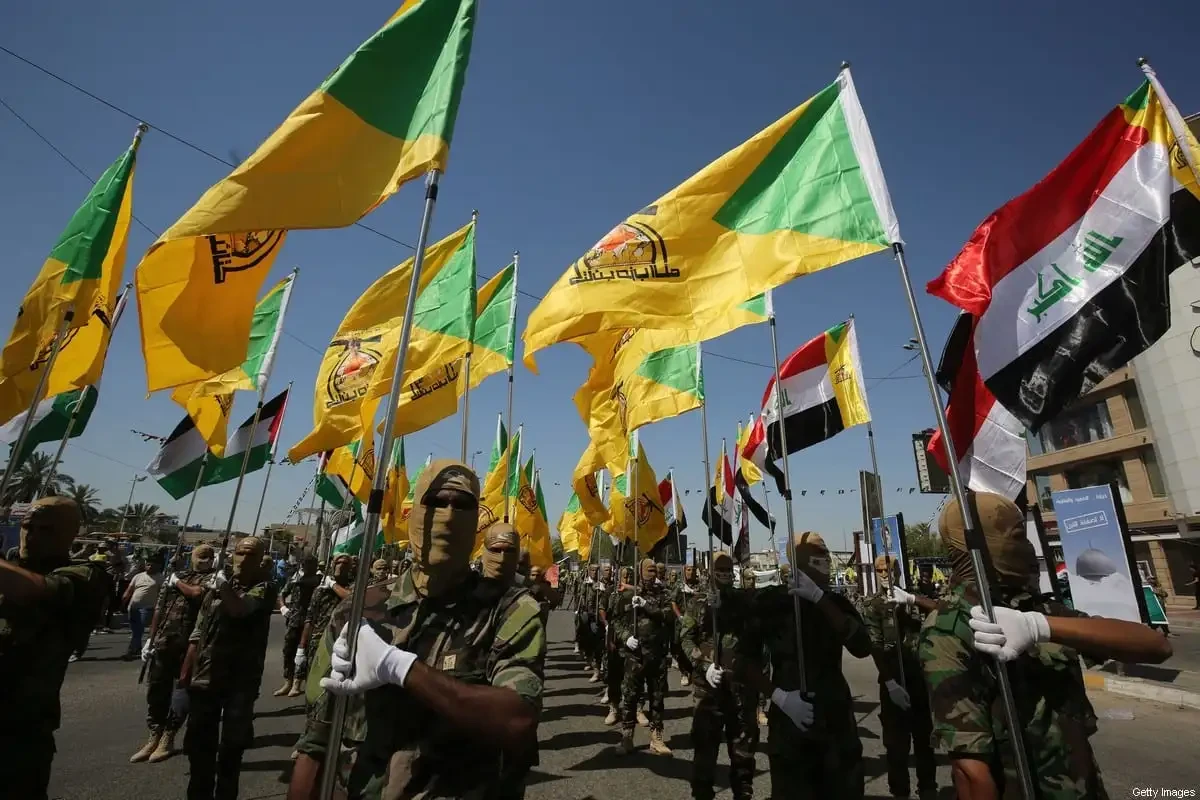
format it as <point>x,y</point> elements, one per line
<point>893,622</point>
<point>222,671</point>
<point>48,605</point>
<point>379,571</point>
<point>1041,640</point>
<point>585,612</point>
<point>812,736</point>
<point>447,682</point>
<point>543,592</point>
<point>166,645</point>
<point>682,595</point>
<point>641,622</point>
<point>501,551</point>
<point>725,704</point>
<point>599,598</point>
<point>614,654</point>
<point>295,597</point>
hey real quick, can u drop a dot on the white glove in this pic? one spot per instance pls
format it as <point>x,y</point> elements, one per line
<point>902,598</point>
<point>713,675</point>
<point>218,580</point>
<point>301,659</point>
<point>898,694</point>
<point>1011,634</point>
<point>600,587</point>
<point>283,611</point>
<point>795,707</point>
<point>595,628</point>
<point>171,580</point>
<point>805,588</point>
<point>328,583</point>
<point>631,643</point>
<point>375,663</point>
<point>638,601</point>
<point>146,651</point>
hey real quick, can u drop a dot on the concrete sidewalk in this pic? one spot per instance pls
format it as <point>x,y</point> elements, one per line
<point>1176,681</point>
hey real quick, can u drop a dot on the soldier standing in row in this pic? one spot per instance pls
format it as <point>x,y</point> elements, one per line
<point>166,645</point>
<point>48,605</point>
<point>725,704</point>
<point>222,672</point>
<point>501,551</point>
<point>641,622</point>
<point>1042,640</point>
<point>588,619</point>
<point>613,653</point>
<point>296,595</point>
<point>599,628</point>
<point>543,592</point>
<point>333,589</point>
<point>681,597</point>
<point>450,674</point>
<point>893,618</point>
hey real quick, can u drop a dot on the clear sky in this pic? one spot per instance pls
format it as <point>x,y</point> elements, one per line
<point>574,115</point>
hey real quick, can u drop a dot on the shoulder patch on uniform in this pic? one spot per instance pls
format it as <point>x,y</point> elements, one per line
<point>521,610</point>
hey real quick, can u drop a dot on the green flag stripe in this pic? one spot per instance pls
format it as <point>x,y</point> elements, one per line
<point>85,242</point>
<point>675,367</point>
<point>447,304</point>
<point>573,505</point>
<point>493,327</point>
<point>264,328</point>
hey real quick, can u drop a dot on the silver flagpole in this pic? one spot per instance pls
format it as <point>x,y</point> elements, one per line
<point>375,503</point>
<point>187,518</point>
<point>887,548</point>
<point>675,506</point>
<point>237,492</point>
<point>708,485</point>
<point>309,525</point>
<point>17,449</point>
<point>467,371</point>
<point>508,470</point>
<point>975,541</point>
<point>787,491</point>
<point>512,327</point>
<point>270,463</point>
<point>631,491</point>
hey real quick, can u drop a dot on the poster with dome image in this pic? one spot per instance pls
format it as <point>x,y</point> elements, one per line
<point>1093,545</point>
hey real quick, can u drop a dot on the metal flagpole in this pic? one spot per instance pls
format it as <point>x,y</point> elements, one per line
<point>467,371</point>
<point>512,323</point>
<point>631,491</point>
<point>974,537</point>
<point>322,548</point>
<point>237,491</point>
<point>712,583</point>
<point>509,465</point>
<point>787,490</point>
<point>15,453</point>
<point>675,506</point>
<point>887,549</point>
<point>187,518</point>
<point>270,463</point>
<point>375,503</point>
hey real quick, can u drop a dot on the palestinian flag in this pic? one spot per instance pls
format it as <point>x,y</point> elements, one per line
<point>988,440</point>
<point>177,465</point>
<point>333,489</point>
<point>258,440</point>
<point>823,394</point>
<point>349,539</point>
<point>720,514</point>
<point>1070,281</point>
<point>51,418</point>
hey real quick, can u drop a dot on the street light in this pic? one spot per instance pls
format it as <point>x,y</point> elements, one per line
<point>476,453</point>
<point>129,503</point>
<point>913,344</point>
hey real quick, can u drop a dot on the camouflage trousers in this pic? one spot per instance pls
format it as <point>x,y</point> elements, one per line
<point>291,643</point>
<point>615,675</point>
<point>899,728</point>
<point>728,714</point>
<point>681,660</point>
<point>645,678</point>
<point>220,728</point>
<point>823,764</point>
<point>26,757</point>
<point>160,682</point>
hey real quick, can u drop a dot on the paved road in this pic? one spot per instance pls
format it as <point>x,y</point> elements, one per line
<point>103,714</point>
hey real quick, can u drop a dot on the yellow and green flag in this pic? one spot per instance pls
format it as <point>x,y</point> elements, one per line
<point>502,478</point>
<point>495,326</point>
<point>354,464</point>
<point>586,486</point>
<point>382,118</point>
<point>82,274</point>
<point>395,524</point>
<point>530,520</point>
<point>356,371</point>
<point>805,194</point>
<point>643,502</point>
<point>573,525</point>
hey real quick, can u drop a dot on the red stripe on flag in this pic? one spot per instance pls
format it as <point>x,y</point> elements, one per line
<point>728,476</point>
<point>755,450</point>
<point>968,408</point>
<point>809,355</point>
<point>1019,229</point>
<point>664,491</point>
<point>277,421</point>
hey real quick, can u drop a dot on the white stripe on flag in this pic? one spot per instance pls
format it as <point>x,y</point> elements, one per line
<point>868,159</point>
<point>804,390</point>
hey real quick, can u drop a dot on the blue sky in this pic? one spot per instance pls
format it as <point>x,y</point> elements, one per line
<point>574,115</point>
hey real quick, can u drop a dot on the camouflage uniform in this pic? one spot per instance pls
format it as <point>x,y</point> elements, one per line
<point>225,680</point>
<point>645,670</point>
<point>297,595</point>
<point>36,641</point>
<point>683,599</point>
<point>320,609</point>
<point>968,718</point>
<point>728,712</point>
<point>887,625</point>
<point>176,620</point>
<point>481,633</point>
<point>614,658</point>
<point>825,762</point>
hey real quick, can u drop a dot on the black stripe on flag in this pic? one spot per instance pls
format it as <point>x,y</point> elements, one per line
<point>717,524</point>
<point>755,507</point>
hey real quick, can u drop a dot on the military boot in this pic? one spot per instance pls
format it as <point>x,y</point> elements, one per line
<point>657,746</point>
<point>611,719</point>
<point>685,680</point>
<point>626,745</point>
<point>165,749</point>
<point>297,688</point>
<point>282,690</point>
<point>147,748</point>
<point>642,720</point>
<point>595,676</point>
<point>762,716</point>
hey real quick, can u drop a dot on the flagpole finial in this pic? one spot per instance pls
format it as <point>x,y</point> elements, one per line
<point>1141,62</point>
<point>474,215</point>
<point>139,133</point>
<point>845,66</point>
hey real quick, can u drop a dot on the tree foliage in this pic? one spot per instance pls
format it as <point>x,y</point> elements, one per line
<point>922,541</point>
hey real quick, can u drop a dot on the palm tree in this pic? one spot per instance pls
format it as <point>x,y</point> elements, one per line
<point>85,497</point>
<point>31,475</point>
<point>141,517</point>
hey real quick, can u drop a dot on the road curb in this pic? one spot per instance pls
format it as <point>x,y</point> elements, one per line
<point>1144,690</point>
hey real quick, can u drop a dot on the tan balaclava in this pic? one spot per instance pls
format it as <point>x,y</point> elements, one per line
<point>626,575</point>
<point>535,574</point>
<point>1003,526</point>
<point>785,575</point>
<point>606,574</point>
<point>722,570</point>
<point>689,574</point>
<point>501,549</point>
<point>48,531</point>
<point>525,563</point>
<point>247,561</point>
<point>812,556</point>
<point>442,526</point>
<point>661,570</point>
<point>885,571</point>
<point>343,569</point>
<point>648,572</point>
<point>379,570</point>
<point>203,558</point>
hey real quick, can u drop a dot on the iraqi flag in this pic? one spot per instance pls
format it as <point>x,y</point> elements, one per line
<point>823,394</point>
<point>988,440</point>
<point>720,510</point>
<point>1069,281</point>
<point>676,519</point>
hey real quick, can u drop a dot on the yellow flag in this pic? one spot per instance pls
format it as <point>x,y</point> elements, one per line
<point>354,464</point>
<point>503,474</point>
<point>382,118</point>
<point>584,482</point>
<point>644,503</point>
<point>209,413</point>
<point>359,363</point>
<point>495,325</point>
<point>573,525</point>
<point>530,520</point>
<point>395,525</point>
<point>82,274</point>
<point>748,468</point>
<point>804,194</point>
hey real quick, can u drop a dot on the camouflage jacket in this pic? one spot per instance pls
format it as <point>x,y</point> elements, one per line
<point>682,598</point>
<point>652,624</point>
<point>483,633</point>
<point>888,624</point>
<point>177,613</point>
<point>36,642</point>
<point>546,596</point>
<point>968,717</point>
<point>741,648</point>
<point>297,594</point>
<point>230,650</point>
<point>320,609</point>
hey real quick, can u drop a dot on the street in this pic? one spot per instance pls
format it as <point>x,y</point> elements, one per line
<point>103,724</point>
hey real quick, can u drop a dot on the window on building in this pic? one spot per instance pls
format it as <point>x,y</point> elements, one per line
<point>1157,487</point>
<point>1077,426</point>
<point>1137,415</point>
<point>1100,473</point>
<point>1042,482</point>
